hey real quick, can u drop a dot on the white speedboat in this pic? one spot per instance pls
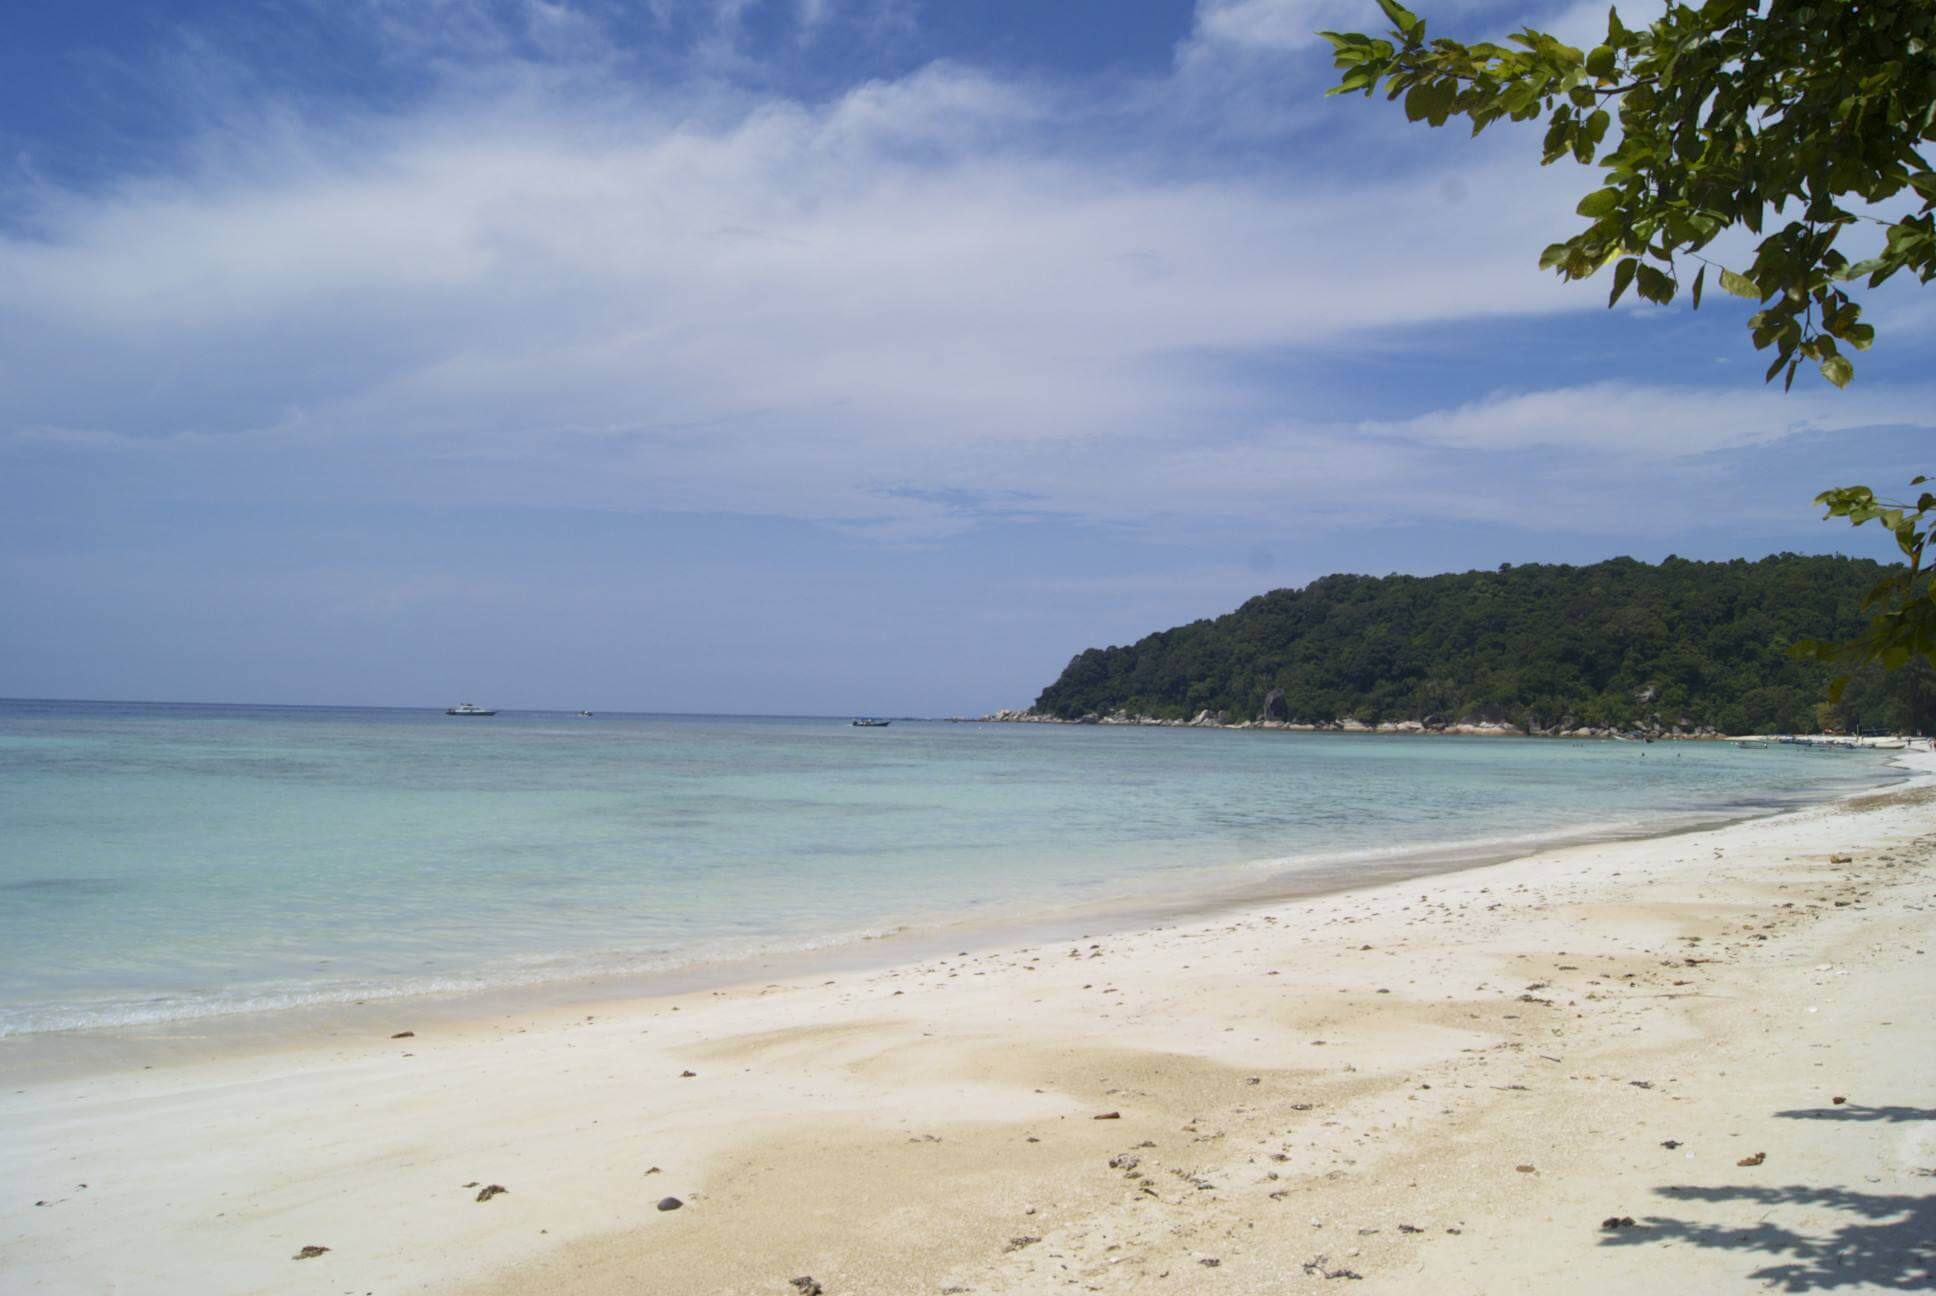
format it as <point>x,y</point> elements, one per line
<point>468,709</point>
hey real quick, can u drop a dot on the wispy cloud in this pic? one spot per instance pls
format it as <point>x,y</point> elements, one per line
<point>1652,422</point>
<point>547,281</point>
<point>915,271</point>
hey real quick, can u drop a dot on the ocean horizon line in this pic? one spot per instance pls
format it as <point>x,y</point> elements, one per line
<point>515,710</point>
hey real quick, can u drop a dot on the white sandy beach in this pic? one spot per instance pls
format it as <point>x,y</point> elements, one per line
<point>1443,1085</point>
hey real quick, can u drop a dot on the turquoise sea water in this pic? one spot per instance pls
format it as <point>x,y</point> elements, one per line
<point>161,862</point>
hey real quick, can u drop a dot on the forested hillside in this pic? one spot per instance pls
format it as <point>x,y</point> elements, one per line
<point>1620,644</point>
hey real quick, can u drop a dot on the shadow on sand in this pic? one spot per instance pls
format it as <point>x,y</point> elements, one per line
<point>1889,1244</point>
<point>1856,1112</point>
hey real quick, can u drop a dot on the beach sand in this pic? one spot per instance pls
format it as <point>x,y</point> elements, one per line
<point>1445,1085</point>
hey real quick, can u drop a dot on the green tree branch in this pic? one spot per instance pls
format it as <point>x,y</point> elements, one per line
<point>1779,117</point>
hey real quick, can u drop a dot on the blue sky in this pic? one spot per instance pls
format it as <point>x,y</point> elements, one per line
<point>805,355</point>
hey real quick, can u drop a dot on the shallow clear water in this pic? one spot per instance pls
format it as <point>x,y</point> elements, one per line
<point>159,862</point>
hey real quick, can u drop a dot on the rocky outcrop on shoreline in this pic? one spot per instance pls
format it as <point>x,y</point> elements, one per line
<point>1430,725</point>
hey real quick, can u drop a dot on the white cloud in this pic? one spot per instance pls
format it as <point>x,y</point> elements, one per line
<point>1653,422</point>
<point>1583,23</point>
<point>898,271</point>
<point>1276,25</point>
<point>707,299</point>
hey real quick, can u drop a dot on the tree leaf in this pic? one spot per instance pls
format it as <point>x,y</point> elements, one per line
<point>1599,203</point>
<point>1838,370</point>
<point>1700,277</point>
<point>1740,285</point>
<point>1622,276</point>
<point>1655,286</point>
<point>1402,18</point>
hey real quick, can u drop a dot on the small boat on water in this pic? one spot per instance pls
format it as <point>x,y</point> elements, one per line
<point>872,724</point>
<point>468,709</point>
<point>586,714</point>
<point>1751,742</point>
